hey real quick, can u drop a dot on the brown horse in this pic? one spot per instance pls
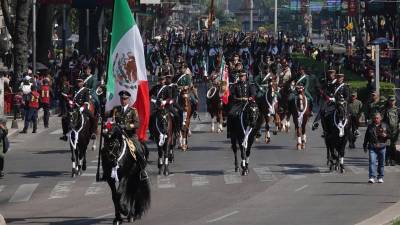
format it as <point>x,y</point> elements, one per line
<point>301,112</point>
<point>284,112</point>
<point>184,101</point>
<point>268,105</point>
<point>215,106</point>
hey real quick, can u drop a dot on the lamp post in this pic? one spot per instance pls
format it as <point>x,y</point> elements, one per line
<point>377,43</point>
<point>34,37</point>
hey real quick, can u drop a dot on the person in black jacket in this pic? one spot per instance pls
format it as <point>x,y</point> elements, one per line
<point>375,140</point>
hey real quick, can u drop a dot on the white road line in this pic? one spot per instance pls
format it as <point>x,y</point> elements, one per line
<point>231,177</point>
<point>105,215</point>
<point>88,174</point>
<point>165,182</point>
<point>223,217</point>
<point>94,161</point>
<point>357,170</point>
<point>2,187</point>
<point>58,131</point>
<point>295,172</point>
<point>62,189</point>
<point>324,172</point>
<point>301,188</point>
<point>96,188</point>
<point>92,167</point>
<point>264,174</point>
<point>24,192</point>
<point>199,180</point>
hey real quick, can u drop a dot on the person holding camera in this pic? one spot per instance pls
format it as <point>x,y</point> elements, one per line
<point>375,140</point>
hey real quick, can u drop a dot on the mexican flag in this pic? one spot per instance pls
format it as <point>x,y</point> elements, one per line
<point>225,81</point>
<point>126,65</point>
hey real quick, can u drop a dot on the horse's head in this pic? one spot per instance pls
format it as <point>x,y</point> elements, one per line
<point>76,119</point>
<point>341,108</point>
<point>251,113</point>
<point>163,118</point>
<point>112,131</point>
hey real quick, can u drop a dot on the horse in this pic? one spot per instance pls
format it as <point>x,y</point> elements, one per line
<point>243,132</point>
<point>184,101</point>
<point>123,162</point>
<point>283,103</point>
<point>215,106</point>
<point>268,105</point>
<point>79,138</point>
<point>162,131</point>
<point>337,122</point>
<point>301,110</point>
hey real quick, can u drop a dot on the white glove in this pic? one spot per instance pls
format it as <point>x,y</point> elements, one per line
<point>163,102</point>
<point>153,100</point>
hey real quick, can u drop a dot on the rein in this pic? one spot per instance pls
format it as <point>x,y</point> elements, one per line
<point>340,125</point>
<point>301,114</point>
<point>248,129</point>
<point>74,142</point>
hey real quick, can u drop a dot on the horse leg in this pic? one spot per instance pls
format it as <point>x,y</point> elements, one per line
<point>160,158</point>
<point>298,134</point>
<point>303,136</point>
<point>212,124</point>
<point>243,156</point>
<point>288,122</point>
<point>341,157</point>
<point>166,161</point>
<point>234,149</point>
<point>115,197</point>
<point>181,139</point>
<point>219,121</point>
<point>74,162</point>
<point>267,134</point>
<point>277,122</point>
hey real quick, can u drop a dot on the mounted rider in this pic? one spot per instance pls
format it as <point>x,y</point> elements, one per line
<point>327,92</point>
<point>82,101</point>
<point>126,116</point>
<point>341,88</point>
<point>184,80</point>
<point>242,91</point>
<point>284,75</point>
<point>263,80</point>
<point>302,80</point>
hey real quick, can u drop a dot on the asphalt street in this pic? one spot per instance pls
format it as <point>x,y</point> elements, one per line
<point>284,186</point>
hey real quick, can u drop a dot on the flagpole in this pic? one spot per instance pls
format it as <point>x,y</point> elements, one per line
<point>103,101</point>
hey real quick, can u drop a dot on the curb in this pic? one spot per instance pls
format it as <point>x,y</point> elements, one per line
<point>385,217</point>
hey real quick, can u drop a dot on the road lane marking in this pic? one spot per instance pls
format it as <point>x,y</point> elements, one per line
<point>96,188</point>
<point>357,170</point>
<point>94,161</point>
<point>264,174</point>
<point>165,182</point>
<point>301,188</point>
<point>88,175</point>
<point>2,187</point>
<point>324,172</point>
<point>92,167</point>
<point>24,192</point>
<point>231,177</point>
<point>223,217</point>
<point>199,180</point>
<point>58,131</point>
<point>104,216</point>
<point>295,172</point>
<point>62,189</point>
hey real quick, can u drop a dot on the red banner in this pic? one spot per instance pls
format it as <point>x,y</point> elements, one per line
<point>352,7</point>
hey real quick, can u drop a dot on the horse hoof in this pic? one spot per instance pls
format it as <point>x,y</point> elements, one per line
<point>236,169</point>
<point>267,140</point>
<point>166,171</point>
<point>212,130</point>
<point>159,171</point>
<point>219,131</point>
<point>117,222</point>
<point>130,219</point>
<point>303,146</point>
<point>298,146</point>
<point>258,140</point>
<point>274,132</point>
<point>93,147</point>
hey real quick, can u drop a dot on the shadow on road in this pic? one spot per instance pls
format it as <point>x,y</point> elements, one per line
<point>39,174</point>
<point>64,220</point>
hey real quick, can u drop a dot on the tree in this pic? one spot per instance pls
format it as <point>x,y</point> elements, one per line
<point>18,30</point>
<point>45,20</point>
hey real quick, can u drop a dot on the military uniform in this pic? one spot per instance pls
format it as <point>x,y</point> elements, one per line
<point>342,90</point>
<point>327,92</point>
<point>261,82</point>
<point>391,116</point>
<point>82,99</point>
<point>127,118</point>
<point>241,92</point>
<point>372,108</point>
<point>284,76</point>
<point>355,110</point>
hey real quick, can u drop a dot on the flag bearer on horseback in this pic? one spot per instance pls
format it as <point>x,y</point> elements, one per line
<point>126,116</point>
<point>391,117</point>
<point>82,101</point>
<point>184,79</point>
<point>242,91</point>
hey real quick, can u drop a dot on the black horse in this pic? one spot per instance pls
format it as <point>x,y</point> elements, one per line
<point>124,162</point>
<point>162,132</point>
<point>243,130</point>
<point>79,138</point>
<point>337,122</point>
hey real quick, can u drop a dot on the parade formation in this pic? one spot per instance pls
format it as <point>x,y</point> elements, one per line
<point>139,102</point>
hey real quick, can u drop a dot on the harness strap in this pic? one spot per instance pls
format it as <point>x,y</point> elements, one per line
<point>338,88</point>
<point>301,78</point>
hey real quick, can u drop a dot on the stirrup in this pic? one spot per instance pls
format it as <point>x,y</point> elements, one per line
<point>143,175</point>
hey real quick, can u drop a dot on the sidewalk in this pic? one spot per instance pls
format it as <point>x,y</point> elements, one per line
<point>12,132</point>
